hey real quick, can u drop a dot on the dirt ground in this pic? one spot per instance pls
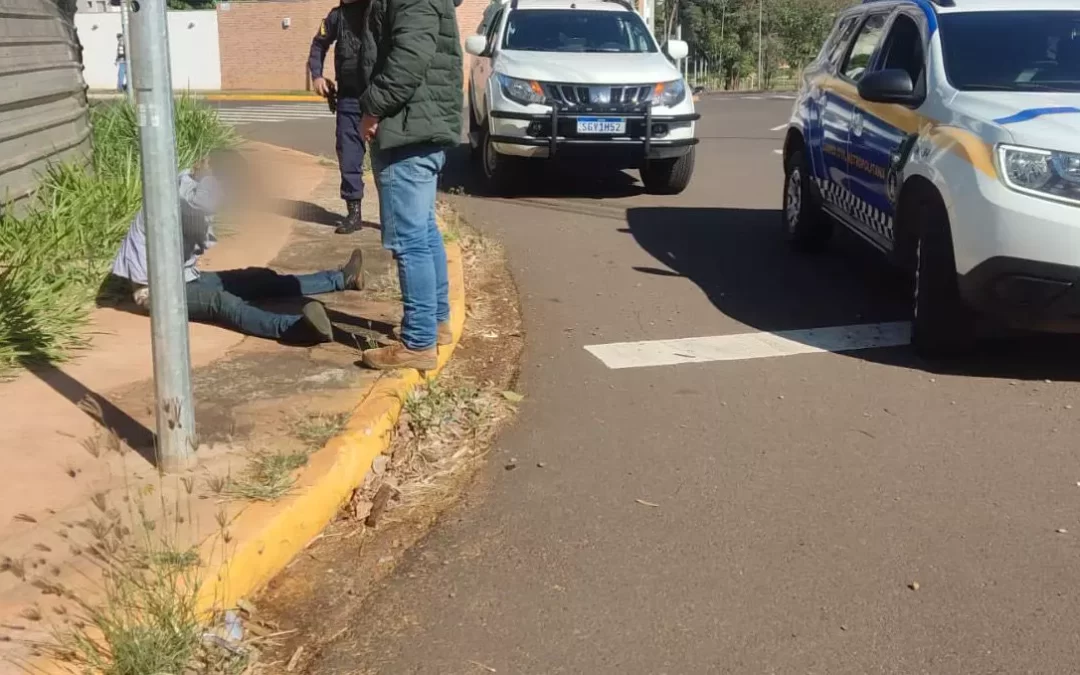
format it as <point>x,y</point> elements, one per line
<point>320,599</point>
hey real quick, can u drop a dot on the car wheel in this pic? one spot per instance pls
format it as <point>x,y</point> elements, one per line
<point>942,325</point>
<point>806,226</point>
<point>500,172</point>
<point>668,176</point>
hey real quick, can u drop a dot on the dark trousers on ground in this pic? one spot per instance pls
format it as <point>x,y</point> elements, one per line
<point>223,298</point>
<point>350,149</point>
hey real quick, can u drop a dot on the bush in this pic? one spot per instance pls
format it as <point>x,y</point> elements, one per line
<point>54,259</point>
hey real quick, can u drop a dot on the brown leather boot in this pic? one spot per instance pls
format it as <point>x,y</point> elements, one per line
<point>399,356</point>
<point>444,335</point>
<point>353,271</point>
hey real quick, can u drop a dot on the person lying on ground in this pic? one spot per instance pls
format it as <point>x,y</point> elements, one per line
<point>224,297</point>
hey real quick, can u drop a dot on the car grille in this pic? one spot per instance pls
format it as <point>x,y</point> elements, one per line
<point>599,97</point>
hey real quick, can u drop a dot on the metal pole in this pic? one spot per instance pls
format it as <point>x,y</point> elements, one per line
<point>723,16</point>
<point>760,23</point>
<point>161,206</point>
<point>125,28</point>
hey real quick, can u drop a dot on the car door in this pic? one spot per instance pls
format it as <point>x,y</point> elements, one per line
<point>828,117</point>
<point>482,66</point>
<point>882,135</point>
<point>838,113</point>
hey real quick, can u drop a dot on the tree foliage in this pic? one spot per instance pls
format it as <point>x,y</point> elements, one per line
<point>725,33</point>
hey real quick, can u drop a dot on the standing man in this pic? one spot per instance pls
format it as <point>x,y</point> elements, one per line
<point>344,26</point>
<point>412,112</point>
<point>121,64</point>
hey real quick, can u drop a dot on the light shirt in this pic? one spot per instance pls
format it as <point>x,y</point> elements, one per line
<point>199,199</point>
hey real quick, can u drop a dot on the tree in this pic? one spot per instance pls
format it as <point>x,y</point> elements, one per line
<point>725,33</point>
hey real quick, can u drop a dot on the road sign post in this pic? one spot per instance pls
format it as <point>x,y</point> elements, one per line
<point>161,207</point>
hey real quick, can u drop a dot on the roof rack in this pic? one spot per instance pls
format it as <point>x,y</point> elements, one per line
<point>625,3</point>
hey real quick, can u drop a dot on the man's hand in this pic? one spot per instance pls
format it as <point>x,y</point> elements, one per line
<point>323,86</point>
<point>369,125</point>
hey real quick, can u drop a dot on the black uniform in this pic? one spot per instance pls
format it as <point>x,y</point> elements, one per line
<point>344,25</point>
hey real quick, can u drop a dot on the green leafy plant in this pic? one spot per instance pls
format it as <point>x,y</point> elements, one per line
<point>54,258</point>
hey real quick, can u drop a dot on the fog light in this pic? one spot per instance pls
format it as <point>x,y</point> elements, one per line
<point>659,130</point>
<point>534,129</point>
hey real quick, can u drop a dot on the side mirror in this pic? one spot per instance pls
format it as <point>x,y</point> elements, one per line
<point>476,45</point>
<point>677,49</point>
<point>888,86</point>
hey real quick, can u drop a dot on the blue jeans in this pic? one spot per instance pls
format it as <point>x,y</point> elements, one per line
<point>121,76</point>
<point>407,179</point>
<point>223,297</point>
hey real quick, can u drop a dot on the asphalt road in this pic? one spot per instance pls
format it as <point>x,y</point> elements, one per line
<point>755,515</point>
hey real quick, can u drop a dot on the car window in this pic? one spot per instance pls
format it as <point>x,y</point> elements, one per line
<point>903,50</point>
<point>1024,50</point>
<point>577,30</point>
<point>862,51</point>
<point>837,45</point>
<point>493,29</point>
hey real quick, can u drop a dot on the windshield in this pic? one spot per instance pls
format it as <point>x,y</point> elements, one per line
<point>577,30</point>
<point>1012,50</point>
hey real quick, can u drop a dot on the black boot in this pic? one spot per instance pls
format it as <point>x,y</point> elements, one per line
<point>352,222</point>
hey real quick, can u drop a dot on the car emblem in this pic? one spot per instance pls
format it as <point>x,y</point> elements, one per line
<point>600,95</point>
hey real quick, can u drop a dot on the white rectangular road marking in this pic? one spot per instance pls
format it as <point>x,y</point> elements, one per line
<point>745,346</point>
<point>780,127</point>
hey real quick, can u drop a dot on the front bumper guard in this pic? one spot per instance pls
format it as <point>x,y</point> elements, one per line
<point>647,141</point>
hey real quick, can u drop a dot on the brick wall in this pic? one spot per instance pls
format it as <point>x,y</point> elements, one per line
<point>257,53</point>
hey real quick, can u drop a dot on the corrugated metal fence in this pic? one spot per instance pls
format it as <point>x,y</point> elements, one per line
<point>43,107</point>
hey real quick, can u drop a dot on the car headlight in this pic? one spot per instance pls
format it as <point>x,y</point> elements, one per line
<point>526,92</point>
<point>667,94</point>
<point>1044,173</point>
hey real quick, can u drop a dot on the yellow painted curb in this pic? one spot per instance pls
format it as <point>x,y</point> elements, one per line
<point>263,97</point>
<point>265,537</point>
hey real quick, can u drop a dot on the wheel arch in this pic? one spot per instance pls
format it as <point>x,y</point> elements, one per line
<point>794,140</point>
<point>914,189</point>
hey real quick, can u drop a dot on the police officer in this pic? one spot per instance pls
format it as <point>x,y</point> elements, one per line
<point>344,25</point>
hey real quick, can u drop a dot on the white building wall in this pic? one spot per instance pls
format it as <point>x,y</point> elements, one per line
<point>194,52</point>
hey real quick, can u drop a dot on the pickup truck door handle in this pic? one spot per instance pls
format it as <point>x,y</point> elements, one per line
<point>857,125</point>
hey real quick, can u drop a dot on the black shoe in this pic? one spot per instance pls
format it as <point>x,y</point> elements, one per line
<point>352,222</point>
<point>353,271</point>
<point>316,319</point>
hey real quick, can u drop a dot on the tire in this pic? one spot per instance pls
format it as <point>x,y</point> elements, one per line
<point>501,173</point>
<point>806,226</point>
<point>668,176</point>
<point>942,325</point>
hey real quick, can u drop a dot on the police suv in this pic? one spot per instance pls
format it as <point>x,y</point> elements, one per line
<point>580,80</point>
<point>947,134</point>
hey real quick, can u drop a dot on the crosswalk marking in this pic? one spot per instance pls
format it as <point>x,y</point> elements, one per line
<point>745,346</point>
<point>274,113</point>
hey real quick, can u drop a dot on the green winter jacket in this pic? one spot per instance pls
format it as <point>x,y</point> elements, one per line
<point>411,65</point>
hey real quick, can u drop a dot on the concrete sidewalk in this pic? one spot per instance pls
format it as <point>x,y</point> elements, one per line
<point>77,442</point>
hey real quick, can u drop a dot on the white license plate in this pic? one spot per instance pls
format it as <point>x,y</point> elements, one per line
<point>612,126</point>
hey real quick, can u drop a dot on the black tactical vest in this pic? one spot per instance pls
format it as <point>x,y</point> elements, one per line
<point>347,49</point>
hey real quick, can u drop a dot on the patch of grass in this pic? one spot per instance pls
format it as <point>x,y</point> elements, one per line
<point>316,429</point>
<point>430,407</point>
<point>269,476</point>
<point>54,259</point>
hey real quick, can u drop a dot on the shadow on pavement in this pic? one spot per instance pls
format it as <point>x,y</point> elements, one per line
<point>311,213</point>
<point>539,179</point>
<point>740,261</point>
